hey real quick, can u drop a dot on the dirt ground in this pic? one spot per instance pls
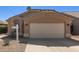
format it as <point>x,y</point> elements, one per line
<point>13,46</point>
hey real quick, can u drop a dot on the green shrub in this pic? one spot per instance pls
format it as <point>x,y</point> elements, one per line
<point>3,30</point>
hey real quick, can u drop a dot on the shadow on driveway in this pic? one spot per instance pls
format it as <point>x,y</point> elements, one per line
<point>54,42</point>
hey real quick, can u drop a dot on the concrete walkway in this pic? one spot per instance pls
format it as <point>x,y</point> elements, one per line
<point>2,35</point>
<point>36,48</point>
<point>75,38</point>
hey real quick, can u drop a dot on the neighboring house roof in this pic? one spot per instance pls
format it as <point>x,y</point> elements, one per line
<point>75,14</point>
<point>3,22</point>
<point>39,10</point>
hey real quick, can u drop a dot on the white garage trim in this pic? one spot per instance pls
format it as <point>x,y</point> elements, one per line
<point>47,30</point>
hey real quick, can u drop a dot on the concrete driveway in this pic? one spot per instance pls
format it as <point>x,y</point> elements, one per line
<point>52,45</point>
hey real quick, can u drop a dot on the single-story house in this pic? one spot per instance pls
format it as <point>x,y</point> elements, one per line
<point>3,23</point>
<point>3,26</point>
<point>37,23</point>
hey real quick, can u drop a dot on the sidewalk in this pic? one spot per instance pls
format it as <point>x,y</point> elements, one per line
<point>36,48</point>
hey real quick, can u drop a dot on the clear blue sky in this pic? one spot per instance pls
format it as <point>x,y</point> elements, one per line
<point>9,11</point>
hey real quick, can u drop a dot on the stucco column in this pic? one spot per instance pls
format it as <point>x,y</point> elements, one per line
<point>26,29</point>
<point>68,29</point>
<point>10,24</point>
<point>20,26</point>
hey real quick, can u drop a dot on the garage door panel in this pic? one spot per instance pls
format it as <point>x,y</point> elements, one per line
<point>47,30</point>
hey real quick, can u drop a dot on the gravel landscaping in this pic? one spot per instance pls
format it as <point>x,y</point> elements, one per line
<point>13,46</point>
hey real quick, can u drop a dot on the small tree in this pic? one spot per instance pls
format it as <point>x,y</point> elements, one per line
<point>28,8</point>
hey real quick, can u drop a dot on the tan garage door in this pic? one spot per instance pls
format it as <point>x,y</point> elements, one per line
<point>47,30</point>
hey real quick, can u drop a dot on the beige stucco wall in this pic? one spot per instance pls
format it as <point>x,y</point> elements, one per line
<point>11,23</point>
